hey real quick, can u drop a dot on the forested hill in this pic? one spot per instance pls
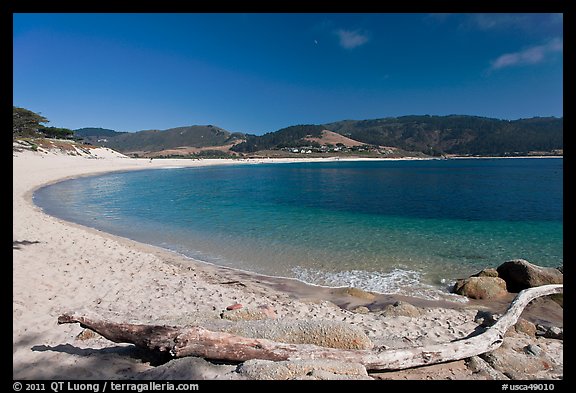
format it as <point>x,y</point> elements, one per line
<point>457,134</point>
<point>96,132</point>
<point>292,136</point>
<point>431,135</point>
<point>434,135</point>
<point>96,136</point>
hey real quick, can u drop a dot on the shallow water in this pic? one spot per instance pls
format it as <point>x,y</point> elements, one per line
<point>409,227</point>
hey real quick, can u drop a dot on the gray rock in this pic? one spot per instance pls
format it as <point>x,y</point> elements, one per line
<point>541,329</point>
<point>520,274</point>
<point>478,365</point>
<point>555,333</point>
<point>401,309</point>
<point>484,287</point>
<point>302,369</point>
<point>533,350</point>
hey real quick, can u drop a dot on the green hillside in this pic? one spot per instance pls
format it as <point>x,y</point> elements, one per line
<point>456,134</point>
<point>287,137</point>
<point>431,135</point>
<point>96,132</point>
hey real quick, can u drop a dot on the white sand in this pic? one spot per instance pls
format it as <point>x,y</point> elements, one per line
<point>60,267</point>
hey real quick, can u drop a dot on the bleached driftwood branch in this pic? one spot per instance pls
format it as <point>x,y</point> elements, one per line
<point>198,341</point>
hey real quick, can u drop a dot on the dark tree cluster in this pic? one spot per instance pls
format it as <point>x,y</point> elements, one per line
<point>286,137</point>
<point>431,135</point>
<point>26,123</point>
<point>457,134</point>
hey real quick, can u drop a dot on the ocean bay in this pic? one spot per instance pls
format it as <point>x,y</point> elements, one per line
<point>389,226</point>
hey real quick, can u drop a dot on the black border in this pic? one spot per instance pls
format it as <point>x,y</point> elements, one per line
<point>282,6</point>
<point>9,7</point>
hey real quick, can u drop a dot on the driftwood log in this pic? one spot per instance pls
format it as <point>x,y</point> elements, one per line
<point>198,341</point>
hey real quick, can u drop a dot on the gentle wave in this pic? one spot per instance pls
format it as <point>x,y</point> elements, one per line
<point>397,281</point>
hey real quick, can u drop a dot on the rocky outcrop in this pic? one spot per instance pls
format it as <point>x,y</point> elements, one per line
<point>520,274</point>
<point>484,287</point>
<point>511,276</point>
<point>522,360</point>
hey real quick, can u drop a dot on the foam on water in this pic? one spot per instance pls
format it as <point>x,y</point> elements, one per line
<point>391,282</point>
<point>397,281</point>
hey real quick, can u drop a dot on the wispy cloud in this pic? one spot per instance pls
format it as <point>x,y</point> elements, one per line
<point>522,22</point>
<point>351,39</point>
<point>525,23</point>
<point>500,21</point>
<point>532,55</point>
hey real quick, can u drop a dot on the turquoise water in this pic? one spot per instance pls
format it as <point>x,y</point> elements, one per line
<point>408,227</point>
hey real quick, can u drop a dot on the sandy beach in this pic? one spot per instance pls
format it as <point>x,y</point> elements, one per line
<point>61,267</point>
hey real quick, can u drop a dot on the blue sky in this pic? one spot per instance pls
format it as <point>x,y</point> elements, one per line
<point>258,73</point>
